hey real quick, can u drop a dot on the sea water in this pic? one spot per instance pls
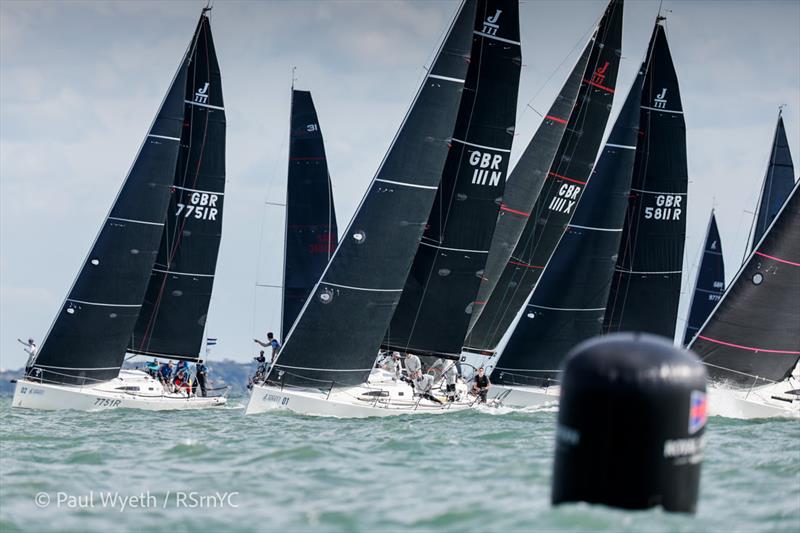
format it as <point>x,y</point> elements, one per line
<point>482,470</point>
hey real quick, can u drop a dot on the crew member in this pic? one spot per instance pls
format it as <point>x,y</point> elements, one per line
<point>481,386</point>
<point>30,348</point>
<point>273,343</point>
<point>413,364</point>
<point>200,372</point>
<point>423,384</point>
<point>450,376</point>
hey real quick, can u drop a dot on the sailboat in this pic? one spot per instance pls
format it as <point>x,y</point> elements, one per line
<point>325,363</point>
<point>751,342</point>
<point>568,304</point>
<point>311,231</point>
<point>145,286</point>
<point>646,288</point>
<point>515,275</point>
<point>710,283</point>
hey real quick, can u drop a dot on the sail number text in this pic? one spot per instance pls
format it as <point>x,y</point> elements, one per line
<point>668,207</point>
<point>202,206</point>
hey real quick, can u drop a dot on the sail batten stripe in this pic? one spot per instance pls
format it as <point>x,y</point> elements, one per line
<point>453,249</point>
<point>102,304</point>
<point>750,348</point>
<point>708,291</point>
<point>673,111</point>
<point>559,176</point>
<point>445,78</point>
<point>778,259</point>
<point>526,265</point>
<point>496,38</point>
<point>415,185</point>
<point>183,273</point>
<point>556,119</point>
<point>324,369</point>
<point>137,221</point>
<point>626,271</point>
<point>198,190</point>
<point>359,288</point>
<point>36,365</point>
<point>599,86</point>
<point>613,230</point>
<point>204,105</point>
<point>527,369</point>
<point>645,191</point>
<point>567,308</point>
<point>163,137</point>
<point>482,146</point>
<point>504,207</point>
<point>624,146</point>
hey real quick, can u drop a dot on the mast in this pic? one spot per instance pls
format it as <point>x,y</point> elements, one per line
<point>86,342</point>
<point>562,188</point>
<point>310,218</point>
<point>451,258</point>
<point>753,335</point>
<point>173,316</point>
<point>568,304</point>
<point>778,181</point>
<point>646,289</point>
<point>710,283</point>
<point>335,339</point>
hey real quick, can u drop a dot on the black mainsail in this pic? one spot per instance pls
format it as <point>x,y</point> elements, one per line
<point>561,190</point>
<point>569,301</point>
<point>336,337</point>
<point>173,317</point>
<point>778,181</point>
<point>710,283</point>
<point>86,342</point>
<point>523,188</point>
<point>753,335</point>
<point>647,283</point>
<point>311,232</point>
<point>434,310</point>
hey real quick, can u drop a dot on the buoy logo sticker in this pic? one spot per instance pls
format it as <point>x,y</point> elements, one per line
<point>697,412</point>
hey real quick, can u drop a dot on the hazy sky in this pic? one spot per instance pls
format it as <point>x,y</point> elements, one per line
<point>81,81</point>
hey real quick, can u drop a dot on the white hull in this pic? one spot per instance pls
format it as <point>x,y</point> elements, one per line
<point>149,396</point>
<point>383,398</point>
<point>522,396</point>
<point>767,401</point>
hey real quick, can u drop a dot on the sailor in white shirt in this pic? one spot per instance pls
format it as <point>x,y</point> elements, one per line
<point>450,376</point>
<point>423,384</point>
<point>413,364</point>
<point>30,348</point>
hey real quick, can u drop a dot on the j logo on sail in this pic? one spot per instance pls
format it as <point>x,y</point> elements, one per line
<point>490,25</point>
<point>660,101</point>
<point>201,96</point>
<point>599,75</point>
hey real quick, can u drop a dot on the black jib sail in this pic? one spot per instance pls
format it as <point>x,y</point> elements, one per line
<point>778,181</point>
<point>753,335</point>
<point>311,233</point>
<point>710,282</point>
<point>569,301</point>
<point>450,260</point>
<point>561,190</point>
<point>87,340</point>
<point>647,283</point>
<point>173,316</point>
<point>523,188</point>
<point>336,337</point>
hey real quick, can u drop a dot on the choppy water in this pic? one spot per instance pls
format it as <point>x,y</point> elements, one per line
<point>469,471</point>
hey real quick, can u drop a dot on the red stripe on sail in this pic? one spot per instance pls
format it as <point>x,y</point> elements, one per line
<point>559,176</point>
<point>504,207</point>
<point>526,265</point>
<point>556,119</point>
<point>751,348</point>
<point>599,86</point>
<point>778,259</point>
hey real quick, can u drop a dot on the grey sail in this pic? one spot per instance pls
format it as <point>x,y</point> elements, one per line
<point>778,181</point>
<point>449,264</point>
<point>753,335</point>
<point>87,340</point>
<point>336,337</point>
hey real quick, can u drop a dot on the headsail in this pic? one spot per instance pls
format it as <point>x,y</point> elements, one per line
<point>562,187</point>
<point>647,283</point>
<point>337,335</point>
<point>753,335</point>
<point>568,304</point>
<point>173,317</point>
<point>86,342</point>
<point>311,233</point>
<point>778,182</point>
<point>710,281</point>
<point>525,183</point>
<point>436,304</point>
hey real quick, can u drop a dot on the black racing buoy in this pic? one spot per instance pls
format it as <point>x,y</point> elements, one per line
<point>631,424</point>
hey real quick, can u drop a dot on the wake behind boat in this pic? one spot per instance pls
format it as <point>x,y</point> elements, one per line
<point>145,286</point>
